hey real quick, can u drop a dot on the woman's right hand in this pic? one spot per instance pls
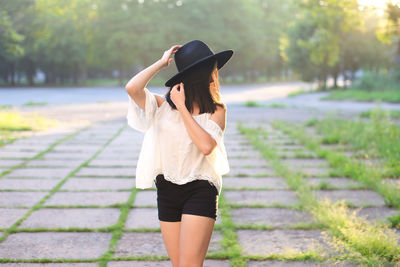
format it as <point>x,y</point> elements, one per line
<point>167,54</point>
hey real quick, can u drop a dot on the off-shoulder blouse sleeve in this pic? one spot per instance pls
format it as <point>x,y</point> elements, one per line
<point>218,157</point>
<point>138,118</point>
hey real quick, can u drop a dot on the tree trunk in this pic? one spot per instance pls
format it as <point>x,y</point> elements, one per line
<point>12,74</point>
<point>120,76</point>
<point>84,72</point>
<point>75,73</point>
<point>324,72</point>
<point>30,73</point>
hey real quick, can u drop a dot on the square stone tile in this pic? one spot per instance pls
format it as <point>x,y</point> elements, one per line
<point>263,172</point>
<point>66,218</point>
<point>333,182</point>
<point>68,155</point>
<point>140,243</point>
<point>151,243</point>
<point>377,213</point>
<point>28,184</point>
<point>112,163</point>
<point>142,218</point>
<point>17,154</point>
<point>91,183</point>
<point>76,148</point>
<point>24,147</point>
<point>238,147</point>
<point>275,217</point>
<point>10,216</point>
<point>244,154</point>
<point>146,198</point>
<point>118,156</point>
<point>19,199</point>
<point>305,162</point>
<point>40,140</point>
<point>87,198</point>
<point>42,173</point>
<point>247,182</point>
<point>127,150</point>
<point>248,163</point>
<point>312,171</point>
<point>54,163</point>
<point>7,163</point>
<point>54,245</point>
<point>133,153</point>
<point>264,243</point>
<point>356,197</point>
<point>128,172</point>
<point>266,197</point>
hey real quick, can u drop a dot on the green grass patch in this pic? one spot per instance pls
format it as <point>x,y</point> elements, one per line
<point>252,103</point>
<point>277,105</point>
<point>32,103</point>
<point>394,114</point>
<point>344,166</point>
<point>13,124</point>
<point>364,96</point>
<point>353,237</point>
<point>372,86</point>
<point>378,138</point>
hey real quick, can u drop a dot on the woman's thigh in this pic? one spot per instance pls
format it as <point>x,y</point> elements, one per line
<point>195,236</point>
<point>171,236</point>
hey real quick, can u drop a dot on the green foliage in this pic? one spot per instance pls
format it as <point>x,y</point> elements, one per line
<point>376,81</point>
<point>72,41</point>
<point>364,95</point>
<point>392,113</point>
<point>364,242</point>
<point>377,138</point>
<point>395,220</point>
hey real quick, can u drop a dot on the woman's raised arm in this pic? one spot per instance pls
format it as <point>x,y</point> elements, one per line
<point>140,80</point>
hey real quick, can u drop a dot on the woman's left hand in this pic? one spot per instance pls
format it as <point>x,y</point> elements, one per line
<point>178,96</point>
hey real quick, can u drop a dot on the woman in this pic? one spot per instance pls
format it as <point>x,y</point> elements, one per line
<point>183,150</point>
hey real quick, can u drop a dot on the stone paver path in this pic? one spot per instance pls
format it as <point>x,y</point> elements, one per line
<point>71,197</point>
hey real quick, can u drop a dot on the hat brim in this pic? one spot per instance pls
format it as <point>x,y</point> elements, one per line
<point>221,57</point>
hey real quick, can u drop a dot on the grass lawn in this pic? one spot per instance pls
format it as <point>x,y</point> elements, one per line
<point>14,125</point>
<point>364,95</point>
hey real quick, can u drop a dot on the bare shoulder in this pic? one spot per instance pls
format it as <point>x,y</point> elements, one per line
<point>160,100</point>
<point>219,116</point>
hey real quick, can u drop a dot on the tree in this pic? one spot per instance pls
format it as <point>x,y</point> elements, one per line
<point>326,22</point>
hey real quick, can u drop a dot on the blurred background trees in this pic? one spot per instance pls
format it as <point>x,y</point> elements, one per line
<point>79,41</point>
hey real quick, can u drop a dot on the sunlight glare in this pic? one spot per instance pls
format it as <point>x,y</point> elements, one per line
<point>377,3</point>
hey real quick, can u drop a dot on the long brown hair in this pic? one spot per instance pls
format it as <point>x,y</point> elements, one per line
<point>202,86</point>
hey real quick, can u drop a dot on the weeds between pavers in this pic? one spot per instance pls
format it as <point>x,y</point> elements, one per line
<point>378,138</point>
<point>371,176</point>
<point>351,237</point>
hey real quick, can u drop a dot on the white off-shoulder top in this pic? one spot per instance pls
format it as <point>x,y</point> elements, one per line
<point>168,149</point>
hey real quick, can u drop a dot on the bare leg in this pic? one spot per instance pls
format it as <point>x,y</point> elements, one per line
<point>171,232</point>
<point>196,232</point>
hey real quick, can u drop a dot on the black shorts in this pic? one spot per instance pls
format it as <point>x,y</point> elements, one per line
<point>197,197</point>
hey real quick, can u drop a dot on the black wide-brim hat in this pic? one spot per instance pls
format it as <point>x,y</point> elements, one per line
<point>193,54</point>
